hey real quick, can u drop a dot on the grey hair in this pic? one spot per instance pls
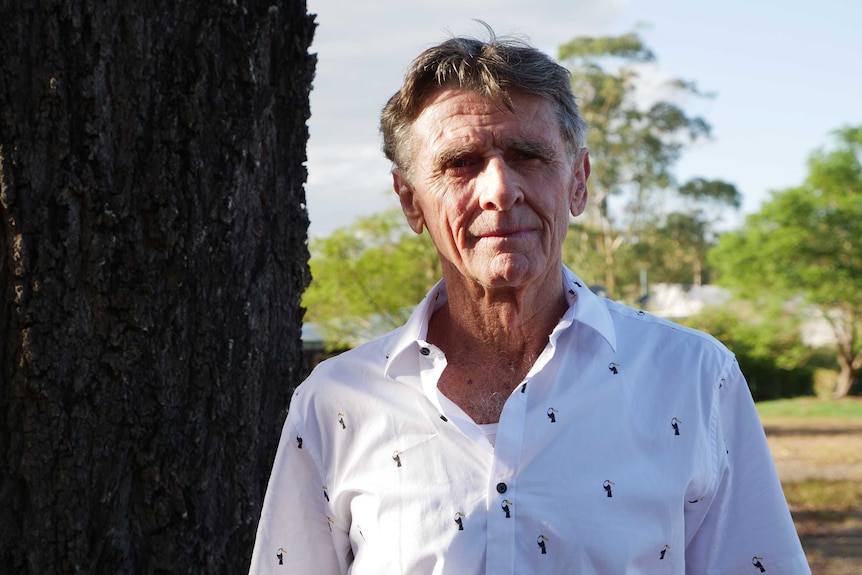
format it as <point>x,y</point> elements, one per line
<point>490,68</point>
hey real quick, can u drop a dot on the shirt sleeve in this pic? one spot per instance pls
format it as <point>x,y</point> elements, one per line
<point>295,534</point>
<point>748,527</point>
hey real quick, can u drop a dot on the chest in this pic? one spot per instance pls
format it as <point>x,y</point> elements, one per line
<point>479,390</point>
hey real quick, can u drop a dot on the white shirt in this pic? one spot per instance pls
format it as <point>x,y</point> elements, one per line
<point>632,446</point>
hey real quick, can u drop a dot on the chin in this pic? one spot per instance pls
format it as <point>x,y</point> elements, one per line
<point>502,274</point>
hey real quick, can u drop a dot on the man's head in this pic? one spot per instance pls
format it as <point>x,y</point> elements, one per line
<point>492,69</point>
<point>489,159</point>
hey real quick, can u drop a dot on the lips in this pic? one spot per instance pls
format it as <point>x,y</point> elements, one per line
<point>503,233</point>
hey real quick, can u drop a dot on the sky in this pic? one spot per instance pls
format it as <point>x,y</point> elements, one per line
<point>784,73</point>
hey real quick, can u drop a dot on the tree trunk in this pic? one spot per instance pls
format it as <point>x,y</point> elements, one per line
<point>847,376</point>
<point>152,260</point>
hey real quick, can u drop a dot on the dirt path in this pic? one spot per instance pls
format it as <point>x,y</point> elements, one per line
<point>822,450</point>
<point>816,449</point>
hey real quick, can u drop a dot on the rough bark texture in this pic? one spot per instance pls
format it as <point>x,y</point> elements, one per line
<point>152,259</point>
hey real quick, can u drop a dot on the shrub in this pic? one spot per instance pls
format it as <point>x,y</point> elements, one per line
<point>767,344</point>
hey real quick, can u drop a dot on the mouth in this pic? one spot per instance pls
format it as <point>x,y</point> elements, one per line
<point>503,233</point>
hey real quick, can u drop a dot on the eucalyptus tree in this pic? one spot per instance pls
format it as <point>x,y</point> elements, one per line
<point>634,142</point>
<point>152,260</point>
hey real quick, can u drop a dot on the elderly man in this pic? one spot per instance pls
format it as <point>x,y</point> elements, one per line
<point>517,423</point>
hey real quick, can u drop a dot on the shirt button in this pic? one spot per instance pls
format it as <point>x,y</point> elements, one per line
<point>501,488</point>
<point>424,351</point>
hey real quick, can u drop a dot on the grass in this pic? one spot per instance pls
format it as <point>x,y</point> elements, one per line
<point>812,407</point>
<point>824,496</point>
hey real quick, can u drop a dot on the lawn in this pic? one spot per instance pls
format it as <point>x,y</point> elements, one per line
<point>817,447</point>
<point>812,407</point>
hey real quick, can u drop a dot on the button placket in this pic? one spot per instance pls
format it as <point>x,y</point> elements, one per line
<point>502,484</point>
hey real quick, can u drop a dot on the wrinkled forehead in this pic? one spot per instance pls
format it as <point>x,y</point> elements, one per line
<point>457,117</point>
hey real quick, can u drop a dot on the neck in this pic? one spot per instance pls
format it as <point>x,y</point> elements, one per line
<point>512,320</point>
<point>491,339</point>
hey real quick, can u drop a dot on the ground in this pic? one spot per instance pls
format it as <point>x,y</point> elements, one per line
<point>819,462</point>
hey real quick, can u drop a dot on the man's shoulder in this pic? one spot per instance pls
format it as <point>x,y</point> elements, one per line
<point>644,327</point>
<point>368,358</point>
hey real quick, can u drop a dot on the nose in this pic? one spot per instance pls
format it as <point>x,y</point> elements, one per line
<point>498,186</point>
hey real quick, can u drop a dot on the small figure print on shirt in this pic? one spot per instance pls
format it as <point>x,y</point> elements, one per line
<point>541,542</point>
<point>607,485</point>
<point>325,494</point>
<point>341,420</point>
<point>280,555</point>
<point>551,414</point>
<point>459,521</point>
<point>396,457</point>
<point>505,507</point>
<point>663,552</point>
<point>675,424</point>
<point>298,442</point>
<point>614,367</point>
<point>756,561</point>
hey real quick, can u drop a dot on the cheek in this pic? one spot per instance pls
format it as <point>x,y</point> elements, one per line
<point>452,212</point>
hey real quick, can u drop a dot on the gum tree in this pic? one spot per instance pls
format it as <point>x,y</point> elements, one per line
<point>633,144</point>
<point>152,260</point>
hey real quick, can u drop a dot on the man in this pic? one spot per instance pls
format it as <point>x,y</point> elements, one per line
<point>517,423</point>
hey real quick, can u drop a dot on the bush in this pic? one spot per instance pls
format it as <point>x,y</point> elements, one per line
<point>767,345</point>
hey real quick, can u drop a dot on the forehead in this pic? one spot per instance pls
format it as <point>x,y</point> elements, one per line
<point>465,118</point>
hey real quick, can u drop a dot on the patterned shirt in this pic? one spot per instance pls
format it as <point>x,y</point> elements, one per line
<point>631,446</point>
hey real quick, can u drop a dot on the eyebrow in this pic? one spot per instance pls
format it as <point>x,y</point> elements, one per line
<point>531,147</point>
<point>447,155</point>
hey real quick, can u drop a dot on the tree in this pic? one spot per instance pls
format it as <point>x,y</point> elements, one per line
<point>806,241</point>
<point>152,260</point>
<point>368,277</point>
<point>633,144</point>
<point>674,246</point>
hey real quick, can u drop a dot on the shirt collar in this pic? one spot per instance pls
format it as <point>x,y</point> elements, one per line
<point>588,308</point>
<point>585,308</point>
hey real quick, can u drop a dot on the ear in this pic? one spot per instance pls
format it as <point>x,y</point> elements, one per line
<point>409,206</point>
<point>581,168</point>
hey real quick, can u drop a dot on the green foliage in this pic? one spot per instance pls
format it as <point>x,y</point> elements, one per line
<point>367,277</point>
<point>808,241</point>
<point>767,345</point>
<point>633,146</point>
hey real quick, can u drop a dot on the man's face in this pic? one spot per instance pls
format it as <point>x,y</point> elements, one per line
<point>493,188</point>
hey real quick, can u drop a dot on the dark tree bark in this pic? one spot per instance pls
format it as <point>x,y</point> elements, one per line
<point>152,259</point>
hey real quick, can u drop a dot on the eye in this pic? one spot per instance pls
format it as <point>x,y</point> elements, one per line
<point>529,153</point>
<point>526,156</point>
<point>461,163</point>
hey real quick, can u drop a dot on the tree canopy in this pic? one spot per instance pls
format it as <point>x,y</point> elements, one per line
<point>634,142</point>
<point>368,276</point>
<point>807,241</point>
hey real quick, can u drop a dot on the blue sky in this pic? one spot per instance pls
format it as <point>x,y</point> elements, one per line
<point>785,74</point>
